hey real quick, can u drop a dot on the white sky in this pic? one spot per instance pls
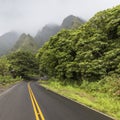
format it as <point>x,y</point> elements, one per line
<point>31,15</point>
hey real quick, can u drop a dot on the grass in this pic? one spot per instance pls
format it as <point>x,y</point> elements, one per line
<point>7,80</point>
<point>99,95</point>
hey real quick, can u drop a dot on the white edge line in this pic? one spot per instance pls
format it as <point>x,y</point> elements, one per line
<point>8,90</point>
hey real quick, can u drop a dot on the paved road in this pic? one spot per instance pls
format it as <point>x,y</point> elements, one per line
<point>18,103</point>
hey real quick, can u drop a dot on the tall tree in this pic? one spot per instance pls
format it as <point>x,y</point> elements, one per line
<point>4,66</point>
<point>22,64</point>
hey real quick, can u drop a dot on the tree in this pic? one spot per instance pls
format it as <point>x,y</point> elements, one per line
<point>22,64</point>
<point>4,66</point>
<point>90,52</point>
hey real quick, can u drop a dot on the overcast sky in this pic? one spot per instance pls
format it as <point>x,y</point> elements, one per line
<point>31,15</point>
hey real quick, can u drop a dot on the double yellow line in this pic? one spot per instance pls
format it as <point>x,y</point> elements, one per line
<point>37,110</point>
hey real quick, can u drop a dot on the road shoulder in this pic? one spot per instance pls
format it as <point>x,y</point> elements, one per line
<point>60,92</point>
<point>3,88</point>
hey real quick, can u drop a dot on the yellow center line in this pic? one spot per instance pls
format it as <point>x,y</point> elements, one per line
<point>36,107</point>
<point>35,111</point>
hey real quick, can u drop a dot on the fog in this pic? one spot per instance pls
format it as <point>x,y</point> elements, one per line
<point>31,15</point>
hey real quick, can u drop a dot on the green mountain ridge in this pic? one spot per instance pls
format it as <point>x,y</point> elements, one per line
<point>25,43</point>
<point>7,41</point>
<point>70,22</point>
<point>11,41</point>
<point>43,35</point>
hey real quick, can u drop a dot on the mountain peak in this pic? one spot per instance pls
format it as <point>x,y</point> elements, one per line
<point>25,42</point>
<point>7,41</point>
<point>71,22</point>
<point>46,32</point>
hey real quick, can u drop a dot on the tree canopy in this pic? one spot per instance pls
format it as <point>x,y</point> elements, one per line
<point>22,64</point>
<point>4,66</point>
<point>89,52</point>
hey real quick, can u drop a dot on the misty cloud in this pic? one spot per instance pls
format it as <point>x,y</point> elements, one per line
<point>31,15</point>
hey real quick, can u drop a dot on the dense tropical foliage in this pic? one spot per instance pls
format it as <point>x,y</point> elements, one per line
<point>17,66</point>
<point>90,52</point>
<point>22,64</point>
<point>4,66</point>
<point>88,57</point>
<point>5,75</point>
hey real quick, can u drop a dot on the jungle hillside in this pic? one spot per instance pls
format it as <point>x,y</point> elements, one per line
<point>88,57</point>
<point>82,63</point>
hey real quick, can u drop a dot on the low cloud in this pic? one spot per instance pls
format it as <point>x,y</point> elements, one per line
<point>31,15</point>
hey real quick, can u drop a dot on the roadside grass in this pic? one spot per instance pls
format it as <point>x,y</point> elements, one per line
<point>97,95</point>
<point>7,80</point>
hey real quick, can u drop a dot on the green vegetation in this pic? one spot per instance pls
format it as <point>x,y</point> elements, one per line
<point>88,56</point>
<point>17,66</point>
<point>5,76</point>
<point>84,62</point>
<point>97,95</point>
<point>4,66</point>
<point>26,43</point>
<point>6,80</point>
<point>22,64</point>
<point>44,35</point>
<point>88,53</point>
<point>70,22</point>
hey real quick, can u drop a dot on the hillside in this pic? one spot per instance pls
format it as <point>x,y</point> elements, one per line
<point>7,41</point>
<point>87,53</point>
<point>88,59</point>
<point>47,31</point>
<point>70,22</point>
<point>25,43</point>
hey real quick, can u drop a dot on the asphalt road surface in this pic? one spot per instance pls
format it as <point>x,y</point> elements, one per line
<point>29,101</point>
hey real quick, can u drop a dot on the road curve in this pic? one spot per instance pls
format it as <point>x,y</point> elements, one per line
<point>16,104</point>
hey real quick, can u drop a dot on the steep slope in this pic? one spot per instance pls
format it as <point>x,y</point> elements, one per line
<point>90,52</point>
<point>25,43</point>
<point>45,34</point>
<point>7,41</point>
<point>72,22</point>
